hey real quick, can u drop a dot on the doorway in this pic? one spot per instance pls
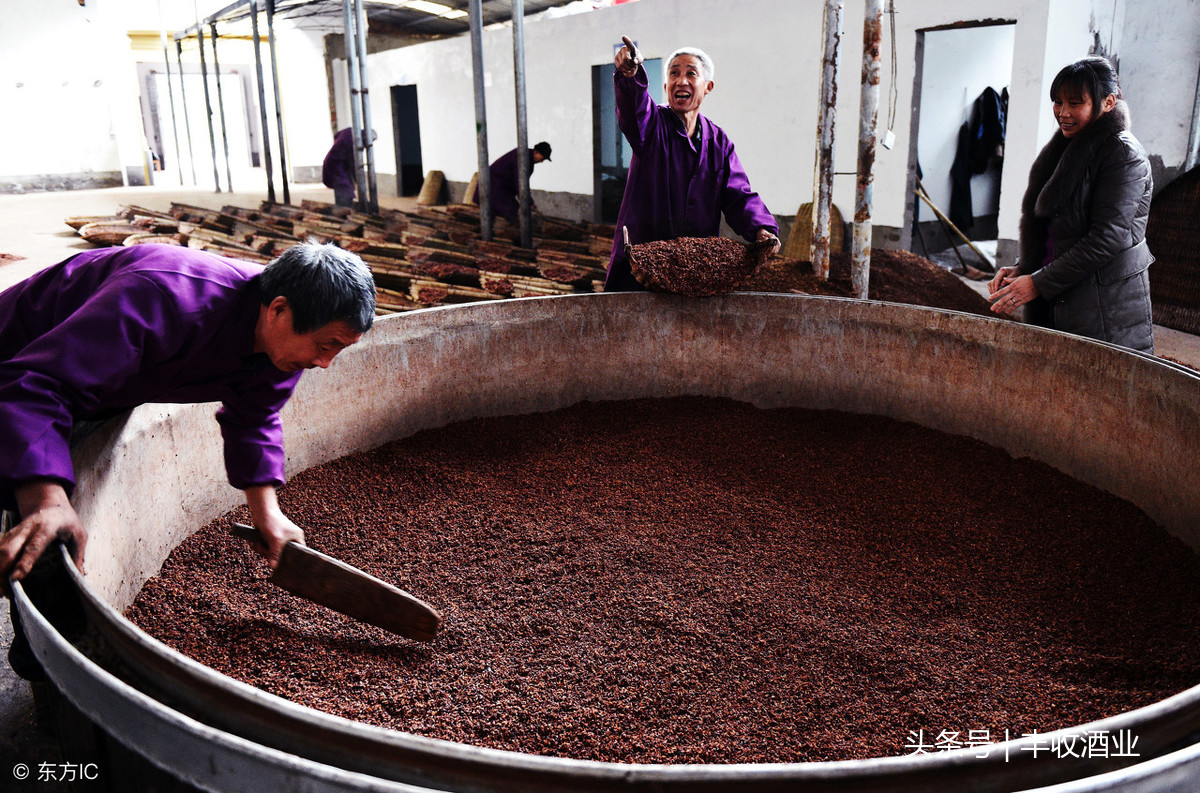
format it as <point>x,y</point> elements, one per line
<point>406,121</point>
<point>960,94</point>
<point>611,153</point>
<point>175,116</point>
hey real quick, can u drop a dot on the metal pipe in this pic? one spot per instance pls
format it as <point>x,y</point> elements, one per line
<point>524,159</point>
<point>483,178</point>
<point>221,108</point>
<point>355,104</point>
<point>262,102</point>
<point>826,116</point>
<point>287,199</point>
<point>208,113</point>
<point>368,132</point>
<point>183,34</point>
<point>162,36</point>
<point>187,123</point>
<point>860,266</point>
<point>1193,151</point>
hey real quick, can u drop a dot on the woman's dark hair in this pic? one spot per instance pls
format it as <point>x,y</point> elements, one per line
<point>322,283</point>
<point>1093,77</point>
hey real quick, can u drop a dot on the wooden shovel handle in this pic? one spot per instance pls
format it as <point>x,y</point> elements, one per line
<point>247,533</point>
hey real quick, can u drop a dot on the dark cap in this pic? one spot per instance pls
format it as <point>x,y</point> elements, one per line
<point>543,149</point>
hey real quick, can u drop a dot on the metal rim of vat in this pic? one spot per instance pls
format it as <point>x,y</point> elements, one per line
<point>407,759</point>
<point>259,736</point>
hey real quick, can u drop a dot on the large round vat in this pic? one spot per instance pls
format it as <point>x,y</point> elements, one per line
<point>1121,421</point>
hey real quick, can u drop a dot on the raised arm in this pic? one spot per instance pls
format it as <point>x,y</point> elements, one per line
<point>635,108</point>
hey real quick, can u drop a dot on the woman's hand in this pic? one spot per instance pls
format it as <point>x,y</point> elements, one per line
<point>1010,291</point>
<point>1002,278</point>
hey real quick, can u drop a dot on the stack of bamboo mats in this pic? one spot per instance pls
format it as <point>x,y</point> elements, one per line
<point>429,257</point>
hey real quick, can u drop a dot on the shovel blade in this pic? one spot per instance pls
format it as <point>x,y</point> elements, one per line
<point>347,590</point>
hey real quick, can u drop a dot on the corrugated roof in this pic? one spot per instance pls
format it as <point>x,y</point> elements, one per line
<point>397,14</point>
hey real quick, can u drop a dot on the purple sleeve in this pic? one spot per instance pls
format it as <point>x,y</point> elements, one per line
<point>635,107</point>
<point>744,209</point>
<point>253,433</point>
<point>62,374</point>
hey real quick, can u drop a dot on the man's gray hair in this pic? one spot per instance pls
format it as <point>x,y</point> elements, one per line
<point>706,63</point>
<point>322,283</point>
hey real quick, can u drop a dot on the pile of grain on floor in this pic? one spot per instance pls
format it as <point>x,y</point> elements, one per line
<point>436,255</point>
<point>895,276</point>
<point>430,256</point>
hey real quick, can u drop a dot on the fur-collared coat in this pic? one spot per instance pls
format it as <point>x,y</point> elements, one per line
<point>1089,197</point>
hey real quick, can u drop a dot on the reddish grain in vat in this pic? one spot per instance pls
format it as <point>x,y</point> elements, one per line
<point>696,580</point>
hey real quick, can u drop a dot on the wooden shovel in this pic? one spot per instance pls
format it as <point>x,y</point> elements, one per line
<point>347,590</point>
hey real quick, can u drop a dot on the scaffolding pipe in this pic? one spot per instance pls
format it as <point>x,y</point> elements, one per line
<point>826,117</point>
<point>355,104</point>
<point>208,113</point>
<point>1193,152</point>
<point>483,179</point>
<point>368,132</point>
<point>860,263</point>
<point>221,108</point>
<point>187,122</point>
<point>162,36</point>
<point>524,159</point>
<point>262,102</point>
<point>229,9</point>
<point>287,199</point>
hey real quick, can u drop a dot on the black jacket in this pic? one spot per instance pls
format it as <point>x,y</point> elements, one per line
<point>1091,194</point>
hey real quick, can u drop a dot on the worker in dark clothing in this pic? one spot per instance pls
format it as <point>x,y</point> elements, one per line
<point>506,180</point>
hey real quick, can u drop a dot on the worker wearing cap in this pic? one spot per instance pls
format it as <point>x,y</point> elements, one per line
<point>506,180</point>
<point>684,173</point>
<point>110,329</point>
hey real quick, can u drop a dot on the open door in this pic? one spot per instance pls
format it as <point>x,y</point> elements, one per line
<point>406,121</point>
<point>961,84</point>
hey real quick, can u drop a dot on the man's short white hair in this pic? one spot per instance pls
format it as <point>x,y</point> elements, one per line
<point>706,63</point>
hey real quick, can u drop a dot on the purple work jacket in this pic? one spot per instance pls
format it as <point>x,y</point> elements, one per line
<point>337,171</point>
<point>674,190</point>
<point>113,328</point>
<point>505,186</point>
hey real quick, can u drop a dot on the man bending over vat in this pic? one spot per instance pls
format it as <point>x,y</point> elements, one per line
<point>684,173</point>
<point>111,329</point>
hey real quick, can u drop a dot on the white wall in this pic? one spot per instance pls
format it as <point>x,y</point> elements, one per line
<point>68,89</point>
<point>76,107</point>
<point>765,105</point>
<point>1159,61</point>
<point>768,66</point>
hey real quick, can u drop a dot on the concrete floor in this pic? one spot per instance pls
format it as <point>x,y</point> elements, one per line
<point>32,226</point>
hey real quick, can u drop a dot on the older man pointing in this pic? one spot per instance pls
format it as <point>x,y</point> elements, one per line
<point>684,173</point>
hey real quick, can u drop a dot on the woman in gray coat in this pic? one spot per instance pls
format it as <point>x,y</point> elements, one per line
<point>1083,260</point>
